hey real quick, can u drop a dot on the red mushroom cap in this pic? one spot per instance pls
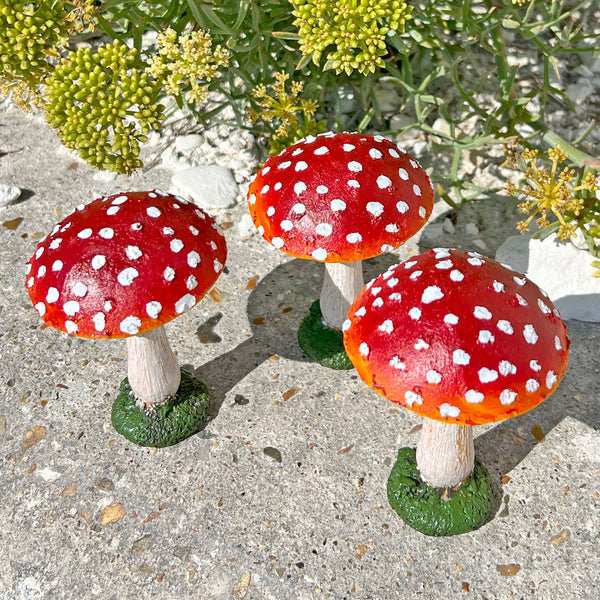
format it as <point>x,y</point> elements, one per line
<point>340,197</point>
<point>457,337</point>
<point>125,264</point>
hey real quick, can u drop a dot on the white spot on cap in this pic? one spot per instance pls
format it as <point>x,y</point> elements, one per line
<point>474,397</point>
<point>299,208</point>
<point>99,321</point>
<point>487,375</point>
<point>441,253</point>
<point>403,174</point>
<point>108,306</point>
<point>414,164</point>
<point>486,337</point>
<point>386,248</point>
<point>397,363</point>
<point>393,153</point>
<point>414,313</point>
<point>392,228</point>
<point>301,166</point>
<point>431,293</point>
<point>338,205</point>
<point>137,226</point>
<point>374,153</point>
<point>284,165</point>
<point>392,282</point>
<point>520,280</point>
<point>396,296</point>
<point>364,349</point>
<point>106,233</point>
<point>168,230</point>
<point>193,259</point>
<point>79,289</point>
<point>383,182</point>
<point>416,274</point>
<point>354,238</point>
<point>521,300</point>
<point>266,170</point>
<point>286,225</point>
<point>508,397</point>
<point>346,325</point>
<point>412,398</point>
<point>433,377</point>
<point>217,265</point>
<point>112,210</point>
<point>264,189</point>
<point>251,199</point>
<point>409,264</point>
<point>353,183</point>
<point>535,366</point>
<point>126,276</point>
<point>322,150</point>
<point>324,229</point>
<point>57,265</point>
<point>550,379</point>
<point>71,308</point>
<point>309,139</point>
<point>297,151</point>
<point>260,229</point>
<point>387,326</point>
<point>184,303</point>
<point>481,312</point>
<point>456,275</point>
<point>133,252</point>
<point>152,211</point>
<point>98,261</point>
<point>130,325</point>
<point>460,357</point>
<point>41,271</point>
<point>119,200</point>
<point>505,326</point>
<point>277,242</point>
<point>531,337</point>
<point>378,302</point>
<point>30,282</point>
<point>450,319</point>
<point>52,295</point>
<point>422,212</point>
<point>416,190</point>
<point>402,207</point>
<point>532,385</point>
<point>191,282</point>
<point>476,262</point>
<point>65,227</point>
<point>319,254</point>
<point>421,344</point>
<point>557,343</point>
<point>41,308</point>
<point>54,244</point>
<point>361,312</point>
<point>176,245</point>
<point>448,410</point>
<point>270,211</point>
<point>498,287</point>
<point>153,309</point>
<point>348,147</point>
<point>506,368</point>
<point>277,186</point>
<point>544,307</point>
<point>84,234</point>
<point>445,264</point>
<point>322,189</point>
<point>70,326</point>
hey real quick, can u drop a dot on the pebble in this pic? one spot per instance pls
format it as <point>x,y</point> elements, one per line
<point>187,143</point>
<point>104,176</point>
<point>471,229</point>
<point>579,92</point>
<point>8,194</point>
<point>209,187</point>
<point>448,225</point>
<point>563,271</point>
<point>245,227</point>
<point>420,148</point>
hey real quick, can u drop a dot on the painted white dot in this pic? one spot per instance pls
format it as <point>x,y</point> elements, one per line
<point>191,282</point>
<point>57,265</point>
<point>297,151</point>
<point>397,363</point>
<point>107,233</point>
<point>412,398</point>
<point>41,271</point>
<point>506,368</point>
<point>392,228</point>
<point>481,312</point>
<point>474,397</point>
<point>521,300</point>
<point>361,312</point>
<point>544,307</point>
<point>193,259</point>
<point>448,410</point>
<point>387,326</point>
<point>396,296</point>
<point>299,187</point>
<point>71,308</point>
<point>416,190</point>
<point>486,337</point>
<point>277,242</point>
<point>392,282</point>
<point>309,139</point>
<point>153,309</point>
<point>168,230</point>
<point>84,234</point>
<point>535,366</point>
<point>386,248</point>
<point>119,200</point>
<point>301,166</point>
<point>414,164</point>
<point>375,291</point>
<point>217,265</point>
<point>299,208</point>
<point>176,245</point>
<point>260,229</point>
<point>433,377</point>
<point>251,199</point>
<point>266,170</point>
<point>422,212</point>
<point>284,165</point>
<point>264,189</point>
<point>415,275</point>
<point>378,303</point>
<point>65,227</point>
<point>530,334</point>
<point>133,252</point>
<point>384,182</point>
<point>126,276</point>
<point>505,326</point>
<point>441,253</point>
<point>498,287</point>
<point>460,357</point>
<point>364,349</point>
<point>322,150</point>
<point>353,183</point>
<point>99,321</point>
<point>348,147</point>
<point>41,308</point>
<point>532,385</point>
<point>402,207</point>
<point>319,254</point>
<point>79,289</point>
<point>476,262</point>
<point>520,280</point>
<point>338,205</point>
<point>137,226</point>
<point>270,211</point>
<point>403,174</point>
<point>70,326</point>
<point>354,238</point>
<point>30,282</point>
<point>450,319</point>
<point>112,210</point>
<point>322,189</point>
<point>445,264</point>
<point>108,306</point>
<point>508,397</point>
<point>277,186</point>
<point>184,303</point>
<point>55,243</point>
<point>98,261</point>
<point>409,264</point>
<point>393,153</point>
<point>130,325</point>
<point>487,375</point>
<point>431,293</point>
<point>557,343</point>
<point>414,313</point>
<point>456,275</point>
<point>550,379</point>
<point>324,229</point>
<point>346,325</point>
<point>374,153</point>
<point>153,212</point>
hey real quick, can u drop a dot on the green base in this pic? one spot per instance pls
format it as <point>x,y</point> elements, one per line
<point>170,423</point>
<point>421,507</point>
<point>321,343</point>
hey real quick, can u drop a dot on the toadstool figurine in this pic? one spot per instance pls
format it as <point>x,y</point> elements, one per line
<point>121,267</point>
<point>461,340</point>
<point>338,199</point>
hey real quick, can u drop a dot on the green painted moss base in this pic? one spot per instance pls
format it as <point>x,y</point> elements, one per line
<point>421,507</point>
<point>321,343</point>
<point>170,423</point>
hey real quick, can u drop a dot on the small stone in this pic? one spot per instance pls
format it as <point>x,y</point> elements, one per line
<point>442,126</point>
<point>104,484</point>
<point>448,225</point>
<point>47,474</point>
<point>420,148</point>
<point>142,544</point>
<point>241,589</point>
<point>209,187</point>
<point>508,570</point>
<point>104,176</point>
<point>471,229</point>
<point>187,143</point>
<point>69,490</point>
<point>112,513</point>
<point>2,424</point>
<point>33,436</point>
<point>480,244</point>
<point>8,194</point>
<point>245,227</point>
<point>273,453</point>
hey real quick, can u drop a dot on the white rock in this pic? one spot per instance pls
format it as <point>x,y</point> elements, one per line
<point>480,244</point>
<point>448,225</point>
<point>579,92</point>
<point>8,194</point>
<point>563,271</point>
<point>419,148</point>
<point>245,227</point>
<point>433,230</point>
<point>471,229</point>
<point>187,143</point>
<point>104,176</point>
<point>209,187</point>
<point>442,126</point>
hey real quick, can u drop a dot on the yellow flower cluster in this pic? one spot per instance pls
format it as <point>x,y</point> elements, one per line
<point>187,61</point>
<point>550,191</point>
<point>351,33</point>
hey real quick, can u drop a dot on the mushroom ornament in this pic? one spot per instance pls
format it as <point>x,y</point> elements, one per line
<point>121,267</point>
<point>338,199</point>
<point>461,340</point>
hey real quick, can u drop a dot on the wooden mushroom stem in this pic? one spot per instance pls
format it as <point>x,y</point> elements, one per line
<point>343,281</point>
<point>445,453</point>
<point>152,368</point>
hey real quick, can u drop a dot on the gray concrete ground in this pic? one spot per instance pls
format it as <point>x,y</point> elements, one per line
<point>282,496</point>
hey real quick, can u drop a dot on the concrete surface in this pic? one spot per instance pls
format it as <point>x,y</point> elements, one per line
<point>282,496</point>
